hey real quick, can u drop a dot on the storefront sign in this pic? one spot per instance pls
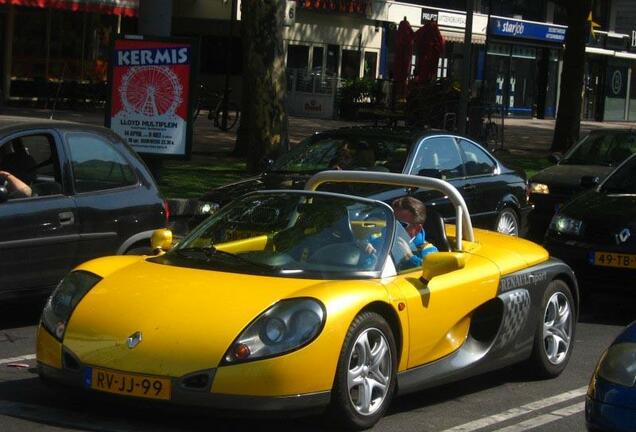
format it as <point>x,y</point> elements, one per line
<point>527,30</point>
<point>429,15</point>
<point>150,94</point>
<point>114,7</point>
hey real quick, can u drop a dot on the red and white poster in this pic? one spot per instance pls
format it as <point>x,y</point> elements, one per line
<point>150,95</point>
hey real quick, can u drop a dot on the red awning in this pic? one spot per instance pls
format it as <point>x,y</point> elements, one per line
<point>111,7</point>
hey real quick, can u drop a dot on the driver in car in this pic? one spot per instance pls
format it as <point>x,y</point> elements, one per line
<point>411,213</point>
<point>15,187</point>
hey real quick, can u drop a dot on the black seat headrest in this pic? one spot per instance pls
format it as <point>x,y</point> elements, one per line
<point>435,231</point>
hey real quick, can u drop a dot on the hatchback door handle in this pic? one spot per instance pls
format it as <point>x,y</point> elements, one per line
<point>66,218</point>
<point>469,188</point>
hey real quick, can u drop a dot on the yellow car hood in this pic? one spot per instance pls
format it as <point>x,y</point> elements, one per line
<point>188,317</point>
<point>509,254</point>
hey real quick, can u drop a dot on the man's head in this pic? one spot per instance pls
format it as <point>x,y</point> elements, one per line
<point>409,210</point>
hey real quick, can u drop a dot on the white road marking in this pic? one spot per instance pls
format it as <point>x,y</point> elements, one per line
<point>516,412</point>
<point>545,419</point>
<point>17,359</point>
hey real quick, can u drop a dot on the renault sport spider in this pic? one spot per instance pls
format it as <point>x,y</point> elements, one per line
<point>298,299</point>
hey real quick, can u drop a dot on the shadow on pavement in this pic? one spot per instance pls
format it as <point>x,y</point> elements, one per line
<point>22,313</point>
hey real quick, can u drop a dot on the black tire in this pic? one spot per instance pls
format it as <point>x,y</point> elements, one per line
<point>343,409</point>
<point>542,364</point>
<point>507,222</point>
<point>232,117</point>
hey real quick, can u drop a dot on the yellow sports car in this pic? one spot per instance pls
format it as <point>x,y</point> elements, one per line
<point>303,299</point>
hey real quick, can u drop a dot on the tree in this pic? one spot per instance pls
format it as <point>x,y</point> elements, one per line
<point>568,121</point>
<point>263,129</point>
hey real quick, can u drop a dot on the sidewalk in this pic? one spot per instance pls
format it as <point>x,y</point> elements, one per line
<point>528,137</point>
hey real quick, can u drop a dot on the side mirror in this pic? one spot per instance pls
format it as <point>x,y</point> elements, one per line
<point>161,240</point>
<point>430,172</point>
<point>588,182</point>
<point>555,158</point>
<point>439,263</point>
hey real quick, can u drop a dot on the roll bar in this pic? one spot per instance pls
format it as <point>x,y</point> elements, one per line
<point>463,224</point>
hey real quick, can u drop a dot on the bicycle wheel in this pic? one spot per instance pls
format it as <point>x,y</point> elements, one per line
<point>232,117</point>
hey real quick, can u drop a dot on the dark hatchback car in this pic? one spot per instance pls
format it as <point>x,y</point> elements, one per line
<point>595,232</point>
<point>496,195</point>
<point>91,196</point>
<point>582,167</point>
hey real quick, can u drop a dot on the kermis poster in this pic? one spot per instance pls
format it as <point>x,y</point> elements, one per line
<point>150,95</point>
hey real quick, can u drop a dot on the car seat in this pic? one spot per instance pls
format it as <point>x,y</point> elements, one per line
<point>435,231</point>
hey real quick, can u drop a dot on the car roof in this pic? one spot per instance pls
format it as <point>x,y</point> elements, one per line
<point>404,133</point>
<point>10,124</point>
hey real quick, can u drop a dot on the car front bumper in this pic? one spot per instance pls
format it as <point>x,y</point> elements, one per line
<point>577,256</point>
<point>200,398</point>
<point>601,416</point>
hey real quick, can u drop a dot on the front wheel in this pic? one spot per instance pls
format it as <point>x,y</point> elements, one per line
<point>507,222</point>
<point>232,117</point>
<point>554,337</point>
<point>366,374</point>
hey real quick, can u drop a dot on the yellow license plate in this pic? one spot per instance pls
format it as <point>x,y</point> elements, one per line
<point>145,386</point>
<point>610,259</point>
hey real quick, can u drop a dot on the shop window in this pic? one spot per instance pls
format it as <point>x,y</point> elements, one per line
<point>350,64</point>
<point>316,60</point>
<point>370,62</point>
<point>298,57</point>
<point>333,59</point>
<point>442,67</point>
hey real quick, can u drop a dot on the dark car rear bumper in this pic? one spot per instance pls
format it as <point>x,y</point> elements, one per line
<point>601,416</point>
<point>181,396</point>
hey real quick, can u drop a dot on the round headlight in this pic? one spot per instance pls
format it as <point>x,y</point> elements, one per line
<point>273,331</point>
<point>305,324</point>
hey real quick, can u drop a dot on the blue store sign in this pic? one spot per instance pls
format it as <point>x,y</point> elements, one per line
<point>513,28</point>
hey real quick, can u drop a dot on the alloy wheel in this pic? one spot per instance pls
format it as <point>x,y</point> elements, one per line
<point>557,328</point>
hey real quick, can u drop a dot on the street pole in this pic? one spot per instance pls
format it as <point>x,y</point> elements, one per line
<point>468,37</point>
<point>155,19</point>
<point>228,67</point>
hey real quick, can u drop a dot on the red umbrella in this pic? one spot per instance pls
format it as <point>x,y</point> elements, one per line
<point>429,45</point>
<point>403,51</point>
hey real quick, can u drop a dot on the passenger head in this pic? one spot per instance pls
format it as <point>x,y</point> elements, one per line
<point>409,210</point>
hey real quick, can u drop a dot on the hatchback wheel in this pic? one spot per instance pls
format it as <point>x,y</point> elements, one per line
<point>365,378</point>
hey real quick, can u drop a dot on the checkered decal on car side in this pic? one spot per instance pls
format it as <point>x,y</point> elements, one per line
<point>515,314</point>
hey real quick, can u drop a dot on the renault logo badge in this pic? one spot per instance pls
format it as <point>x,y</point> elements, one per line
<point>134,339</point>
<point>623,236</point>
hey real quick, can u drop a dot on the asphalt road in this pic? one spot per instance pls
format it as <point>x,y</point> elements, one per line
<point>507,400</point>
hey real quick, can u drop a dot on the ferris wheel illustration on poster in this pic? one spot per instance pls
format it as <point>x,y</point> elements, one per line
<point>151,91</point>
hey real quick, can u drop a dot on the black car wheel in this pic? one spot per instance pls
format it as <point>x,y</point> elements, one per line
<point>366,374</point>
<point>554,337</point>
<point>507,222</point>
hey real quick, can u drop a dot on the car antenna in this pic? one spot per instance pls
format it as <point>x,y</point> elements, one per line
<point>57,93</point>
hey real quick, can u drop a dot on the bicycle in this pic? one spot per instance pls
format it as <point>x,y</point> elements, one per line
<point>205,100</point>
<point>490,129</point>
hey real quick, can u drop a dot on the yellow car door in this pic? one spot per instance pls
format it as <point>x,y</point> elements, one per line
<point>439,311</point>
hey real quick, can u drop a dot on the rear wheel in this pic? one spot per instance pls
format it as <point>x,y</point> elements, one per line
<point>507,222</point>
<point>366,374</point>
<point>554,338</point>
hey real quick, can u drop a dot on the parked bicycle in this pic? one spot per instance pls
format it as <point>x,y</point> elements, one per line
<point>213,102</point>
<point>490,129</point>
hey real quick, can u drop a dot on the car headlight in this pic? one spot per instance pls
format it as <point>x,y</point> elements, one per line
<point>205,208</point>
<point>539,188</point>
<point>618,364</point>
<point>566,225</point>
<point>65,297</point>
<point>284,327</point>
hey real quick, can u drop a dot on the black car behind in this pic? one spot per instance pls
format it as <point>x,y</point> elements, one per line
<point>596,231</point>
<point>496,195</point>
<point>582,167</point>
<point>91,196</point>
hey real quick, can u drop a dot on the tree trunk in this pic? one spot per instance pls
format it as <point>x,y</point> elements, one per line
<point>263,129</point>
<point>568,121</point>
